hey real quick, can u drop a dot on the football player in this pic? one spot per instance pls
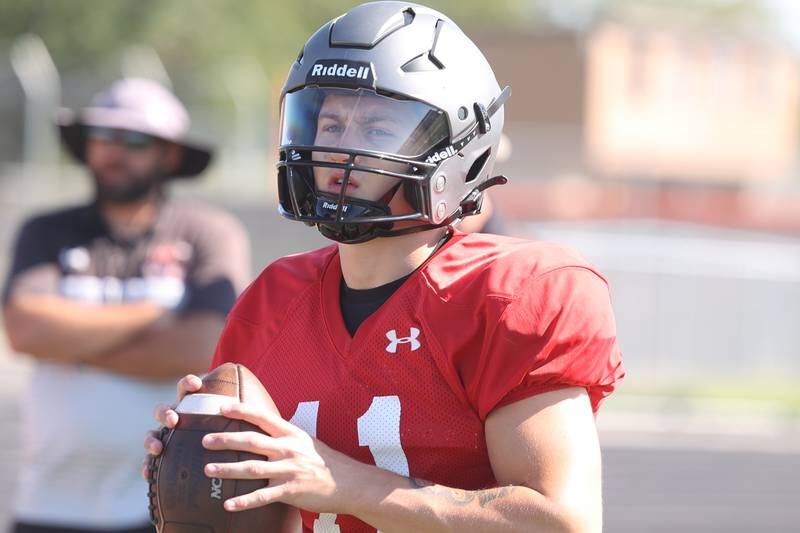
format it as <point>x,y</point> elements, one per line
<point>428,379</point>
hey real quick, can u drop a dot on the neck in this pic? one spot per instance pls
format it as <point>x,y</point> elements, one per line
<point>131,218</point>
<point>383,260</point>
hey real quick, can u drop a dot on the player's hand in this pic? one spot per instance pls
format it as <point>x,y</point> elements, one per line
<point>168,418</point>
<point>303,471</point>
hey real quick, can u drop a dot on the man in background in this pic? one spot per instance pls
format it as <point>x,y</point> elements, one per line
<point>113,300</point>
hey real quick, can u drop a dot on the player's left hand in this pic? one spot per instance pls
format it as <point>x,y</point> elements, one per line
<point>303,471</point>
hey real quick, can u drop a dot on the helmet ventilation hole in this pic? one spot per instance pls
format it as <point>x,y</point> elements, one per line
<point>478,166</point>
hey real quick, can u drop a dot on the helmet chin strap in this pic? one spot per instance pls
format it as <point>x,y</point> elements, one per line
<point>359,233</point>
<point>342,201</point>
<point>327,205</point>
<point>348,233</point>
<point>353,207</point>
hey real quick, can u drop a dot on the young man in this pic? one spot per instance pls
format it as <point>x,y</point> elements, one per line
<point>428,380</point>
<point>114,300</point>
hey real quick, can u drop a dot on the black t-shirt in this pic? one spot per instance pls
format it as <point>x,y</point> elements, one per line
<point>195,258</point>
<point>359,304</point>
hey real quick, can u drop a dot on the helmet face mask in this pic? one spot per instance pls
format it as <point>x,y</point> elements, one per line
<point>362,155</point>
<point>345,153</point>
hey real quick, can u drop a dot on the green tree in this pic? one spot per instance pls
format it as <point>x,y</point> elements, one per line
<point>193,33</point>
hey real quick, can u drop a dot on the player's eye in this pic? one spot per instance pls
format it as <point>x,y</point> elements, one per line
<point>330,127</point>
<point>380,134</point>
<point>333,128</point>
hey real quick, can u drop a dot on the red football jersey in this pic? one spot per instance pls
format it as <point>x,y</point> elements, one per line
<point>485,322</point>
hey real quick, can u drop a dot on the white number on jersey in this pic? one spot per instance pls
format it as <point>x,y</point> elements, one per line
<point>378,428</point>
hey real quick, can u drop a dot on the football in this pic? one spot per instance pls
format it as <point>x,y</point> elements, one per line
<point>183,499</point>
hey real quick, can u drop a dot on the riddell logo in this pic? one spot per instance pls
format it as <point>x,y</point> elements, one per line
<point>357,72</point>
<point>447,153</point>
<point>340,71</point>
<point>216,488</point>
<point>333,207</point>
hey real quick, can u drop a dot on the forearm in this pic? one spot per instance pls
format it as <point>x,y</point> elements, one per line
<point>393,503</point>
<point>167,350</point>
<point>57,329</point>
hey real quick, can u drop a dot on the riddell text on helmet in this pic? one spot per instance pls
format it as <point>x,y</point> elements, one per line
<point>344,70</point>
<point>447,153</point>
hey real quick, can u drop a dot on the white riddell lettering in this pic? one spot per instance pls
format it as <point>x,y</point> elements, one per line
<point>447,153</point>
<point>328,205</point>
<point>216,488</point>
<point>340,71</point>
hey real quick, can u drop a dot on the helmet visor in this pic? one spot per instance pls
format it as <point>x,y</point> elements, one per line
<point>361,120</point>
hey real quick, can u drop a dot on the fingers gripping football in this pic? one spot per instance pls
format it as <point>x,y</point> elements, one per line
<point>183,497</point>
<point>301,470</point>
<point>168,419</point>
<point>153,445</point>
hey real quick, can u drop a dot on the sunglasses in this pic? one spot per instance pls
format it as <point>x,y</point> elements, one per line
<point>132,140</point>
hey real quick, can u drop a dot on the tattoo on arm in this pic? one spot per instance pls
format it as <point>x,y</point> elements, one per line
<point>462,497</point>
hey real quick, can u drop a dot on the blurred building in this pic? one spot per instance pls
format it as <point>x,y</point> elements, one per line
<point>545,117</point>
<point>636,102</point>
<point>675,104</point>
<point>646,121</point>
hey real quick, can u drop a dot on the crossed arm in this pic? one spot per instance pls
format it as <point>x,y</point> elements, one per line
<point>134,339</point>
<point>543,450</point>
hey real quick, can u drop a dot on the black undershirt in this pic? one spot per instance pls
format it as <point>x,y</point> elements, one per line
<point>359,304</point>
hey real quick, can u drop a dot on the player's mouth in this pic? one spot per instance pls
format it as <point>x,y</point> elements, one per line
<point>335,183</point>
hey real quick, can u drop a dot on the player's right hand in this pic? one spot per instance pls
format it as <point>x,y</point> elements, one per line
<point>168,418</point>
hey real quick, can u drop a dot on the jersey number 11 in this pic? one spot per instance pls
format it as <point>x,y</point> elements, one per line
<point>378,428</point>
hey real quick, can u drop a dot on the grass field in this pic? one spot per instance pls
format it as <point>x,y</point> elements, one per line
<point>778,396</point>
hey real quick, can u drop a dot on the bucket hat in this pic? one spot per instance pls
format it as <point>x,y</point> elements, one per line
<point>140,105</point>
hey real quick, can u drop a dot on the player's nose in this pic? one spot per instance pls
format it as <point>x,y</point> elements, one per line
<point>338,157</point>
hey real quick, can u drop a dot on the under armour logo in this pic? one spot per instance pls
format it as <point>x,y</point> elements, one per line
<point>394,340</point>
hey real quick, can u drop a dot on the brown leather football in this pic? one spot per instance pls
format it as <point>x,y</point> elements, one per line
<point>183,499</point>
